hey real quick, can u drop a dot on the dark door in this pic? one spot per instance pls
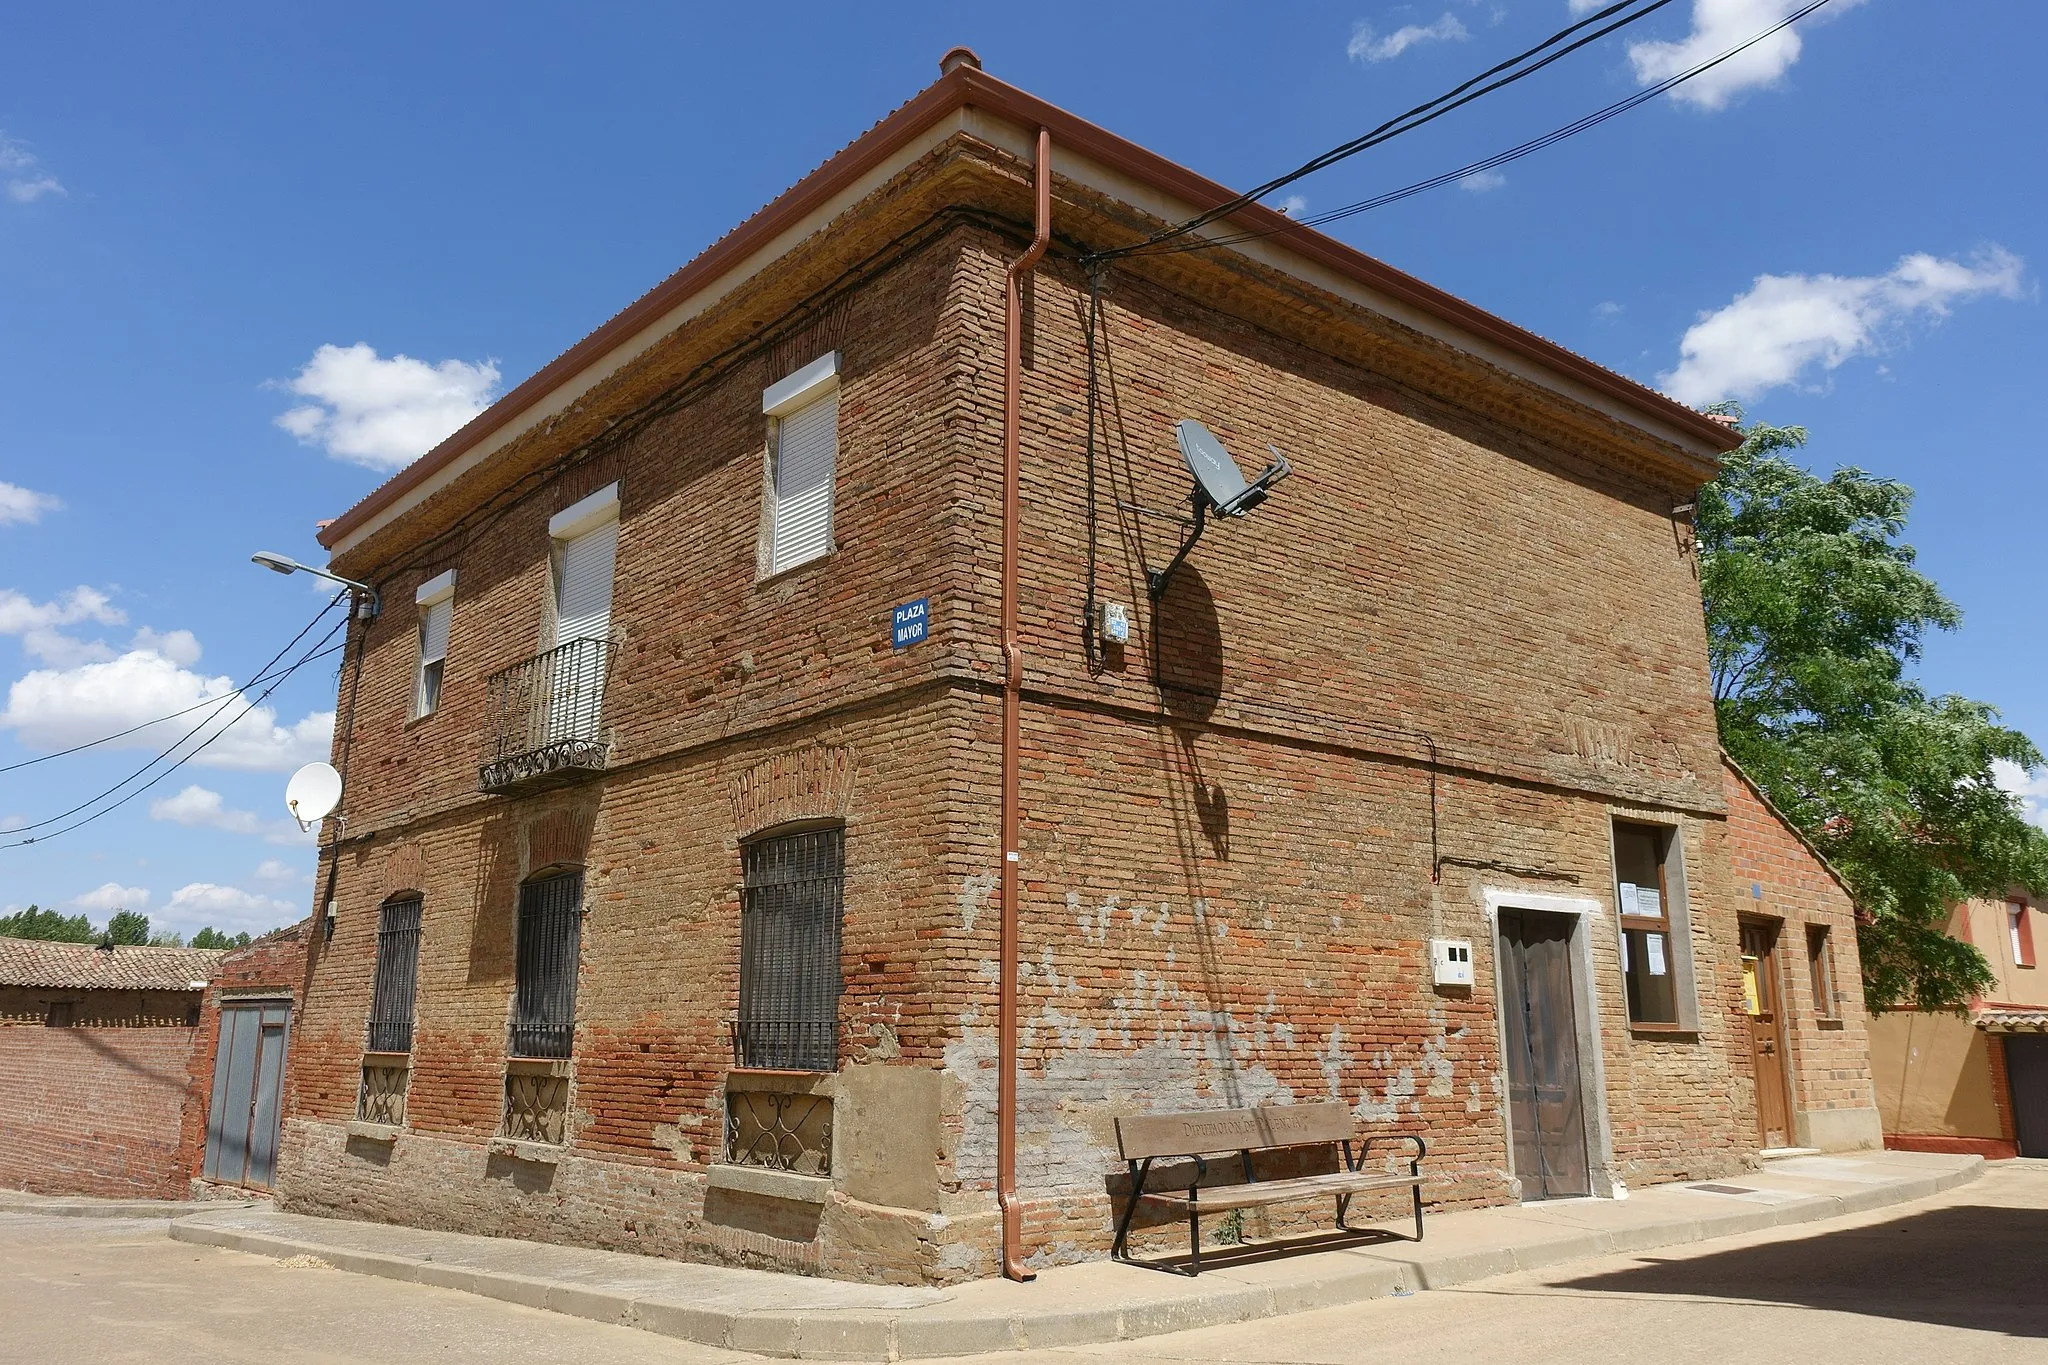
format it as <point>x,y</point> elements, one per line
<point>248,1089</point>
<point>1546,1116</point>
<point>2026,1070</point>
<point>1763,998</point>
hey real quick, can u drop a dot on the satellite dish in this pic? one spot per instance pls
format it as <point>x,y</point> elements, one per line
<point>313,791</point>
<point>1219,487</point>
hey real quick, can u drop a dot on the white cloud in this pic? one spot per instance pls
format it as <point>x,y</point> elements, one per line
<point>1785,325</point>
<point>2030,788</point>
<point>179,646</point>
<point>1365,46</point>
<point>196,807</point>
<point>198,904</point>
<point>24,506</point>
<point>11,823</point>
<point>384,413</point>
<point>37,624</point>
<point>1607,310</point>
<point>1294,205</point>
<point>276,872</point>
<point>1480,182</point>
<point>27,181</point>
<point>1717,26</point>
<point>110,897</point>
<point>54,708</point>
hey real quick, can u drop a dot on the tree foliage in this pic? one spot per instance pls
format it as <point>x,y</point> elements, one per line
<point>127,928</point>
<point>1815,610</point>
<point>47,924</point>
<point>210,937</point>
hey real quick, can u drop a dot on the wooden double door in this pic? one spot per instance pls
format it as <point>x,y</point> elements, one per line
<point>1540,1030</point>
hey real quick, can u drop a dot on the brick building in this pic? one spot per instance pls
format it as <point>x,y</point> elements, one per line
<point>94,1044</point>
<point>671,907</point>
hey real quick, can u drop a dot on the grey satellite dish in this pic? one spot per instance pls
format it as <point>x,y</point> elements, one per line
<point>312,793</point>
<point>1220,487</point>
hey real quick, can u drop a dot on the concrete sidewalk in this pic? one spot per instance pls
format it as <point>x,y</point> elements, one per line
<point>82,1206</point>
<point>815,1319</point>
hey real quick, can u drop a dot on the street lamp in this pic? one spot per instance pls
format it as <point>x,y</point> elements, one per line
<point>368,603</point>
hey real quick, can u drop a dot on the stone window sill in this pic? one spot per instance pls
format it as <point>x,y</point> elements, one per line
<point>540,1153</point>
<point>1829,1023</point>
<point>373,1132</point>
<point>1664,1033</point>
<point>803,1189</point>
<point>536,1066</point>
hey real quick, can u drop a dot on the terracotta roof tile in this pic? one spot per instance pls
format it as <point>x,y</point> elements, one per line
<point>82,966</point>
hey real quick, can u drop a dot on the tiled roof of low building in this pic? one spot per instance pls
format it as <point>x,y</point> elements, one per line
<point>82,966</point>
<point>2013,1020</point>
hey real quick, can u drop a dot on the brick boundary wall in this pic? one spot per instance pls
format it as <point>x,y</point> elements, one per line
<point>94,1111</point>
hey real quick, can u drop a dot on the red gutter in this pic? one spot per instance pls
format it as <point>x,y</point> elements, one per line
<point>968,86</point>
<point>1013,701</point>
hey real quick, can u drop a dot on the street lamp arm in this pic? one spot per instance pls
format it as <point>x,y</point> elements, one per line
<point>278,563</point>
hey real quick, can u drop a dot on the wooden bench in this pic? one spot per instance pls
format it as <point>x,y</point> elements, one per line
<point>1144,1138</point>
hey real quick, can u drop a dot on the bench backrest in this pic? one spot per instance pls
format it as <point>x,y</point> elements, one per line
<point>1201,1131</point>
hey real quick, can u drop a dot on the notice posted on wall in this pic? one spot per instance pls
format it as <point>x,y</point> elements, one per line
<point>1649,902</point>
<point>1628,899</point>
<point>1653,952</point>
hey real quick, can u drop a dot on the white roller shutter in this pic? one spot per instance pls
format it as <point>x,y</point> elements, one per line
<point>806,450</point>
<point>583,592</point>
<point>434,630</point>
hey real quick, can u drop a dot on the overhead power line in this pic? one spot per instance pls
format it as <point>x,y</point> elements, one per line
<point>1515,68</point>
<point>220,704</point>
<point>1514,153</point>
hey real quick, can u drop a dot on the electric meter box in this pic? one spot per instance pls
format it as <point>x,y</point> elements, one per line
<point>1116,624</point>
<point>1450,961</point>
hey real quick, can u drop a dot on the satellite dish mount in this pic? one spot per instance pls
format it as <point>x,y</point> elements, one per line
<point>313,792</point>
<point>1220,488</point>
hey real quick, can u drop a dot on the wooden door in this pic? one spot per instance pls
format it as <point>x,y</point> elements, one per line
<point>1546,1113</point>
<point>1763,998</point>
<point>2026,1071</point>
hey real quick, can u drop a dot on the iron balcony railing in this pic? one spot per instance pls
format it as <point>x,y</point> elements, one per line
<point>546,717</point>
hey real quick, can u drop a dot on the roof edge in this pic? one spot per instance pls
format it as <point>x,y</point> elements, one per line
<point>962,87</point>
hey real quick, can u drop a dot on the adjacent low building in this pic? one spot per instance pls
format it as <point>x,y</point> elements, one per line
<point>1975,1080</point>
<point>711,757</point>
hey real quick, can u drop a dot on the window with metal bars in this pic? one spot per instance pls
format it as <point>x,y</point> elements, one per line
<point>398,961</point>
<point>791,901</point>
<point>550,935</point>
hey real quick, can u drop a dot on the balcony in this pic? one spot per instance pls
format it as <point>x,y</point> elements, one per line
<point>545,719</point>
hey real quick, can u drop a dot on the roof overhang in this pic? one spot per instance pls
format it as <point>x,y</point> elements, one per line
<point>968,100</point>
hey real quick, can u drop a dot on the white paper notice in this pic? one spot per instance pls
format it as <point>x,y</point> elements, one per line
<point>1649,901</point>
<point>1624,954</point>
<point>1653,950</point>
<point>1628,899</point>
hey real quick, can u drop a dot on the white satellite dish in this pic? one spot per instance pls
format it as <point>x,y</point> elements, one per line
<point>1220,487</point>
<point>313,791</point>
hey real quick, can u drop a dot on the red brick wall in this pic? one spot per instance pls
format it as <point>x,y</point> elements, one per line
<point>93,1110</point>
<point>271,966</point>
<point>1224,900</point>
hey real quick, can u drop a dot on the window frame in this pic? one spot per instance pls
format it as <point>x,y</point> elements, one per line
<point>770,1035</point>
<point>430,671</point>
<point>788,398</point>
<point>1673,923</point>
<point>2019,933</point>
<point>395,935</point>
<point>542,1022</point>
<point>1820,971</point>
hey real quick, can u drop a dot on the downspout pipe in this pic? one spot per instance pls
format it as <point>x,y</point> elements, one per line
<point>1013,697</point>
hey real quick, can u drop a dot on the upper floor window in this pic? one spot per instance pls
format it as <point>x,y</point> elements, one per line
<point>1820,967</point>
<point>803,453</point>
<point>436,602</point>
<point>2019,929</point>
<point>791,903</point>
<point>550,940</point>
<point>586,546</point>
<point>1652,923</point>
<point>398,960</point>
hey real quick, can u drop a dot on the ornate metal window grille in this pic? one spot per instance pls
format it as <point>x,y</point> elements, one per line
<point>536,1107</point>
<point>791,902</point>
<point>546,715</point>
<point>550,934</point>
<point>782,1132</point>
<point>382,1099</point>
<point>398,961</point>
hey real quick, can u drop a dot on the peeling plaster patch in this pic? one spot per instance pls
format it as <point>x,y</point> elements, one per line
<point>1436,1061</point>
<point>991,970</point>
<point>974,894</point>
<point>1332,1061</point>
<point>670,1138</point>
<point>1159,925</point>
<point>1473,1104</point>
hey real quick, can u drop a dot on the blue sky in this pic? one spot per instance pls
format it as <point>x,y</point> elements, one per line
<point>1848,231</point>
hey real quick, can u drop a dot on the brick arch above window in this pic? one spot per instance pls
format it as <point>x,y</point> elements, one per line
<point>405,871</point>
<point>803,785</point>
<point>559,839</point>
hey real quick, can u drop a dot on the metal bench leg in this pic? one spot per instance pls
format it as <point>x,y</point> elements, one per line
<point>1117,1249</point>
<point>1343,1209</point>
<point>1194,1240</point>
<point>1416,1190</point>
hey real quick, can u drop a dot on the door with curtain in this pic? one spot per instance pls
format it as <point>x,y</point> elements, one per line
<point>1546,1109</point>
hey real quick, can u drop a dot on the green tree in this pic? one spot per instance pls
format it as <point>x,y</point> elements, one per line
<point>46,924</point>
<point>1815,610</point>
<point>210,937</point>
<point>127,927</point>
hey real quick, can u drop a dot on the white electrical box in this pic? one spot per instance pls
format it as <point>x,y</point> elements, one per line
<point>1450,961</point>
<point>1116,624</point>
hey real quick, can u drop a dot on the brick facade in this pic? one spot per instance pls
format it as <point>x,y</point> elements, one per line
<point>93,1109</point>
<point>1421,683</point>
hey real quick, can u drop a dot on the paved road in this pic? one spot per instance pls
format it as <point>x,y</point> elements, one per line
<point>1961,1277</point>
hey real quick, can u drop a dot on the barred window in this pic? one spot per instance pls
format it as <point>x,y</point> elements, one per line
<point>791,901</point>
<point>398,960</point>
<point>550,935</point>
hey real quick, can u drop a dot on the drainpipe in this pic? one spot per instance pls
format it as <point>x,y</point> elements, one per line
<point>1013,688</point>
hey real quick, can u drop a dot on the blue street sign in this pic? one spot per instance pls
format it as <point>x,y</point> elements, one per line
<point>910,623</point>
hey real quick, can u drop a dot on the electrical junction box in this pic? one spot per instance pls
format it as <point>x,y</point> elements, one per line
<point>1116,623</point>
<point>1450,961</point>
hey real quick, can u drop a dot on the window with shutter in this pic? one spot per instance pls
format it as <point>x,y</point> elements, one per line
<point>583,584</point>
<point>806,451</point>
<point>434,619</point>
